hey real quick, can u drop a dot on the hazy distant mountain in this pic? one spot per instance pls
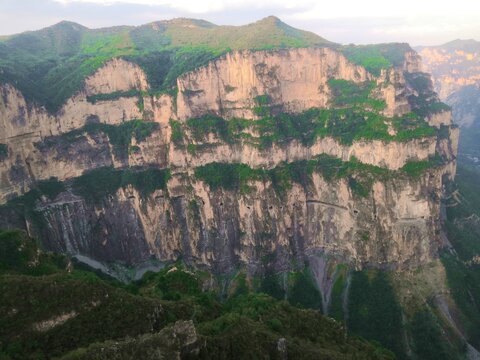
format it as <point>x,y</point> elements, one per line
<point>453,65</point>
<point>455,69</point>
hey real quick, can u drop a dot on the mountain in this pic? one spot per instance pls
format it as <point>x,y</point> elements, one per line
<point>50,65</point>
<point>455,67</point>
<point>255,159</point>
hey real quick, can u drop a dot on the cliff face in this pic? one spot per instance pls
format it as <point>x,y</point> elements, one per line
<point>295,80</point>
<point>396,225</point>
<point>393,221</point>
<point>19,118</point>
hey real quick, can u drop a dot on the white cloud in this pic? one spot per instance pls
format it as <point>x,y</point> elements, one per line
<point>204,6</point>
<point>322,9</point>
<point>344,21</point>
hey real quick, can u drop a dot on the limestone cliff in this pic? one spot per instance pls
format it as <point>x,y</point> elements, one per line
<point>295,80</point>
<point>393,221</point>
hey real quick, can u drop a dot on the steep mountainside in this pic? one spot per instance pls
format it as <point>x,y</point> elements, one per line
<point>165,316</point>
<point>281,163</point>
<point>455,68</point>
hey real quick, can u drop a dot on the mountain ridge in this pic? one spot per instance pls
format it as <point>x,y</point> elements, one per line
<point>452,44</point>
<point>51,64</point>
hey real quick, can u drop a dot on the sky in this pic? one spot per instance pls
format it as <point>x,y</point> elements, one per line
<point>418,22</point>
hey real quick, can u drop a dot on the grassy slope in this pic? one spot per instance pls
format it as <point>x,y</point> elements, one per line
<point>378,56</point>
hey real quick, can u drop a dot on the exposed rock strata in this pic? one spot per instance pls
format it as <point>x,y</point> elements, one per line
<point>396,225</point>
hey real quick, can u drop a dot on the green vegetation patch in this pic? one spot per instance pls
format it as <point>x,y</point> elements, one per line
<point>113,96</point>
<point>376,57</point>
<point>20,255</point>
<point>177,132</point>
<point>26,203</point>
<point>349,93</point>
<point>45,188</point>
<point>443,132</point>
<point>61,310</point>
<point>250,326</point>
<point>262,105</point>
<point>208,124</point>
<point>412,126</point>
<point>95,185</point>
<point>228,176</point>
<point>423,106</point>
<point>97,311</point>
<point>335,309</point>
<point>425,102</point>
<point>346,125</point>
<point>237,176</point>
<point>120,136</point>
<point>228,131</point>
<point>303,292</point>
<point>464,283</point>
<point>360,176</point>
<point>189,58</point>
<point>415,169</point>
<point>429,344</point>
<point>258,314</point>
<point>270,285</point>
<point>463,267</point>
<point>3,151</point>
<point>268,33</point>
<point>374,311</point>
